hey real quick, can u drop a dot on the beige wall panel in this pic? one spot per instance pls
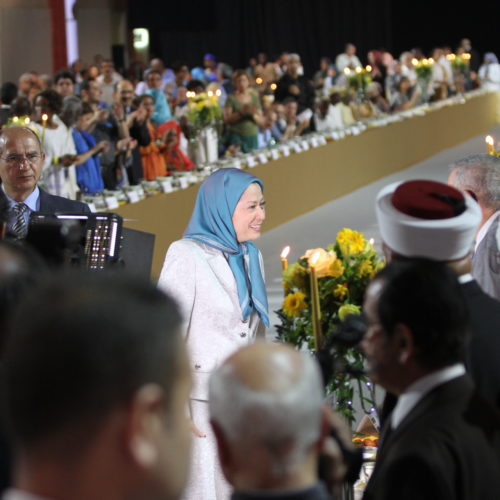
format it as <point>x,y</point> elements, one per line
<point>94,32</point>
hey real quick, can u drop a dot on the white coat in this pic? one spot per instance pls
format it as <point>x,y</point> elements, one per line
<point>199,278</point>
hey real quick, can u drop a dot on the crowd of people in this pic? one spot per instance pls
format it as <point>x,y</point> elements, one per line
<point>104,129</point>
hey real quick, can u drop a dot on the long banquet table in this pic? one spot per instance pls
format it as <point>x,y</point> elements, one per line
<point>302,182</point>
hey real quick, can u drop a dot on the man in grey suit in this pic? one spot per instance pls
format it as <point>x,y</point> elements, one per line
<point>479,175</point>
<point>21,164</point>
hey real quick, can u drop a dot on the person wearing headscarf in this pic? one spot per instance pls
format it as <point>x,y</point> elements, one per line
<point>489,72</point>
<point>215,273</point>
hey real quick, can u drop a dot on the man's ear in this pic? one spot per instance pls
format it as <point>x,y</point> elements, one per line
<point>144,424</point>
<point>403,342</point>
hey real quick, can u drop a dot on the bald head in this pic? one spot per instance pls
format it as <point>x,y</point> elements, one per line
<point>266,367</point>
<point>268,397</point>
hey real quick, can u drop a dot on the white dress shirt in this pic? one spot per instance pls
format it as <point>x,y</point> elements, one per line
<point>416,391</point>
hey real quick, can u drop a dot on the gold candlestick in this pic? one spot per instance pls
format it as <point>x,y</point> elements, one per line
<point>284,266</point>
<point>315,306</point>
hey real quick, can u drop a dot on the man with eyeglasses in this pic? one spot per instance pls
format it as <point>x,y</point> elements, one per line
<point>21,164</point>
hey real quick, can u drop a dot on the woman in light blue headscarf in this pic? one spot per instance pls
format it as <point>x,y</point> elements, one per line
<point>215,273</point>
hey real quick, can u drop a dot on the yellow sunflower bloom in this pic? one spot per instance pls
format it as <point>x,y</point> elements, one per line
<point>336,269</point>
<point>341,291</point>
<point>294,303</point>
<point>350,242</point>
<point>366,269</point>
<point>348,309</point>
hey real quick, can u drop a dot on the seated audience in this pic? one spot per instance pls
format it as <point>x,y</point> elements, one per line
<point>405,96</point>
<point>83,427</point>
<point>327,117</point>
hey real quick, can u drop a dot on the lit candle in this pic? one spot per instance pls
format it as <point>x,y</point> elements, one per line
<point>359,69</point>
<point>283,256</point>
<point>210,93</point>
<point>414,61</point>
<point>315,307</point>
<point>15,119</point>
<point>259,80</point>
<point>369,69</point>
<point>347,71</point>
<point>284,266</point>
<point>218,92</point>
<point>372,241</point>
<point>273,86</point>
<point>45,117</point>
<point>27,121</point>
<point>490,148</point>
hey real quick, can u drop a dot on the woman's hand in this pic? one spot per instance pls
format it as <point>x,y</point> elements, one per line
<point>196,432</point>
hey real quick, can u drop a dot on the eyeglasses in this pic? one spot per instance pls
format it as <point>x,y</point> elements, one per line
<point>18,159</point>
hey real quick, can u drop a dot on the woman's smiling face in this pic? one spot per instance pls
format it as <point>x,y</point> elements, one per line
<point>249,214</point>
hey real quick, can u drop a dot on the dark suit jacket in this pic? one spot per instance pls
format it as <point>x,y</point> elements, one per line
<point>483,353</point>
<point>443,449</point>
<point>54,204</point>
<point>316,492</point>
<point>483,350</point>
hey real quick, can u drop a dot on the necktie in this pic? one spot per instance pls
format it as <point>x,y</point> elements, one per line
<point>20,226</point>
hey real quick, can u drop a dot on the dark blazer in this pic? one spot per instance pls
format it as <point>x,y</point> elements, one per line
<point>443,449</point>
<point>316,492</point>
<point>483,353</point>
<point>54,204</point>
<point>483,350</point>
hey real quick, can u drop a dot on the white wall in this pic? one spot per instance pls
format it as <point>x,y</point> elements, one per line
<point>25,38</point>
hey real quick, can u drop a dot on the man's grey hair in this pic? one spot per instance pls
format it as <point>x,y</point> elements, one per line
<point>71,110</point>
<point>287,423</point>
<point>479,173</point>
<point>294,57</point>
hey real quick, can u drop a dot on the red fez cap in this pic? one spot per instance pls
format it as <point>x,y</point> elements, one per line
<point>428,200</point>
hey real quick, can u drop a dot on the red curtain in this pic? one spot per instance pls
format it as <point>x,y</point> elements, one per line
<point>58,22</point>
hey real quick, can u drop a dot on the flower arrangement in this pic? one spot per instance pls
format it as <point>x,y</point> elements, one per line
<point>358,79</point>
<point>423,68</point>
<point>343,272</point>
<point>203,110</point>
<point>460,62</point>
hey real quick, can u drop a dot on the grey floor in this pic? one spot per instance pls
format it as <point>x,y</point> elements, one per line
<point>355,210</point>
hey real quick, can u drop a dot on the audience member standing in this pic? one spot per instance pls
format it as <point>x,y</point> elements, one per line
<point>348,59</point>
<point>292,84</point>
<point>108,80</point>
<point>479,175</point>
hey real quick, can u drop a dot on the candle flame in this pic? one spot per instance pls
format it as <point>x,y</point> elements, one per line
<point>347,71</point>
<point>466,56</point>
<point>431,60</point>
<point>15,119</point>
<point>27,121</point>
<point>210,93</point>
<point>218,92</point>
<point>259,81</point>
<point>372,241</point>
<point>489,140</point>
<point>314,259</point>
<point>273,86</point>
<point>359,70</point>
<point>368,68</point>
<point>285,252</point>
<point>414,61</point>
<point>45,117</point>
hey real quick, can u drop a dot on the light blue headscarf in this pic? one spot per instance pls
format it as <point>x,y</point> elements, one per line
<point>211,224</point>
<point>162,112</point>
